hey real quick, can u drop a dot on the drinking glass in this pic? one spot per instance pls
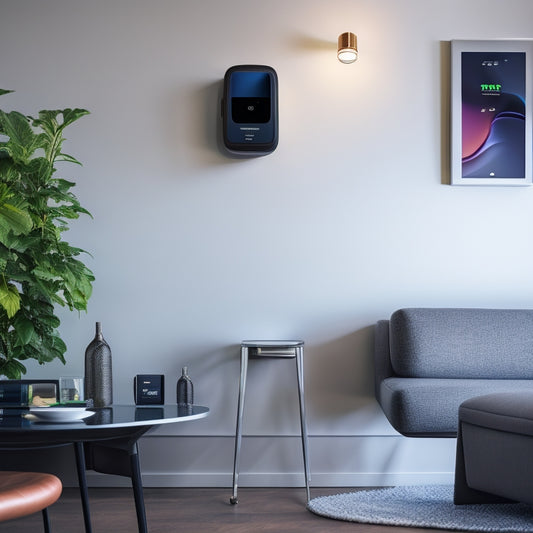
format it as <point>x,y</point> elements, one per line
<point>71,389</point>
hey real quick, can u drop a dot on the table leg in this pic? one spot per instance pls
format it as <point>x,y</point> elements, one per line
<point>120,457</point>
<point>238,433</point>
<point>138,495</point>
<point>300,376</point>
<point>82,480</point>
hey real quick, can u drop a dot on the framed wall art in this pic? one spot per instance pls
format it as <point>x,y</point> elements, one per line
<point>491,101</point>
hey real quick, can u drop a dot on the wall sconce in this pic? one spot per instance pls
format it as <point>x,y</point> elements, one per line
<point>347,48</point>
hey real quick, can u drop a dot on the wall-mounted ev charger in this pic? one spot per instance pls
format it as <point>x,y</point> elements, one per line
<point>250,110</point>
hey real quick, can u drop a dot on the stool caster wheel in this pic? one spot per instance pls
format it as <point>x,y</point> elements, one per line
<point>233,500</point>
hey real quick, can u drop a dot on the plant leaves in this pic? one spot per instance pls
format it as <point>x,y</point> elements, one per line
<point>39,171</point>
<point>22,141</point>
<point>38,269</point>
<point>53,121</point>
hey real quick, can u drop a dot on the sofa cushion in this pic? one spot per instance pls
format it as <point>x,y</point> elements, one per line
<point>462,343</point>
<point>429,407</point>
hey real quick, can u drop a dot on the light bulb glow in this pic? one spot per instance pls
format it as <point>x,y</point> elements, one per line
<point>347,55</point>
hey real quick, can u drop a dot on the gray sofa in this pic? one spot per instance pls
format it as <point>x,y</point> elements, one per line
<point>428,361</point>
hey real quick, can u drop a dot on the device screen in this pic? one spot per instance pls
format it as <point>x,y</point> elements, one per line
<point>250,97</point>
<point>493,88</point>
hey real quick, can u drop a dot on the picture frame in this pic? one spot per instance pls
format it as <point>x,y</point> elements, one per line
<point>491,106</point>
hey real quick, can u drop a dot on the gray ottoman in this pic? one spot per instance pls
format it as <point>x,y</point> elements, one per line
<point>495,449</point>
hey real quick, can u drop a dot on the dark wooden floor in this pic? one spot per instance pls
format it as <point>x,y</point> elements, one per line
<point>196,511</point>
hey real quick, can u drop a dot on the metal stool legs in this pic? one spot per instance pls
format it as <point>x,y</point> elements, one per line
<point>303,425</point>
<point>238,434</point>
<point>240,409</point>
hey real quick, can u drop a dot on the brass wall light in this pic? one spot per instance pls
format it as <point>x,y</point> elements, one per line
<point>347,48</point>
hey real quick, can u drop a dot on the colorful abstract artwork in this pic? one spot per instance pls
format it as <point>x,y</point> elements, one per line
<point>491,129</point>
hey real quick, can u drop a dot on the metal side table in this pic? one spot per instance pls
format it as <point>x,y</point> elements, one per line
<point>271,349</point>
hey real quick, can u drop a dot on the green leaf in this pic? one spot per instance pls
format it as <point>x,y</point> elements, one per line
<point>5,91</point>
<point>9,298</point>
<point>12,368</point>
<point>63,185</point>
<point>71,115</point>
<point>21,243</point>
<point>50,320</point>
<point>46,275</point>
<point>13,219</point>
<point>24,330</point>
<point>69,158</point>
<point>9,173</point>
<point>58,344</point>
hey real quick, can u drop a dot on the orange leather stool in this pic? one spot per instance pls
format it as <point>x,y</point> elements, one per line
<point>25,493</point>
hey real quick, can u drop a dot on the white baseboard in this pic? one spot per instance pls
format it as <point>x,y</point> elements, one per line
<point>202,479</point>
<point>270,461</point>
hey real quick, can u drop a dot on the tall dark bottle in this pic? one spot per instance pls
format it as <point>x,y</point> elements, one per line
<point>184,390</point>
<point>98,371</point>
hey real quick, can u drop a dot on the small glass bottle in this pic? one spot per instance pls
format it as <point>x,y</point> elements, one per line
<point>184,390</point>
<point>98,371</point>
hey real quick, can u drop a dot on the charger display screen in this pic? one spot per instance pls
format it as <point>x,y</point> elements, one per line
<point>250,110</point>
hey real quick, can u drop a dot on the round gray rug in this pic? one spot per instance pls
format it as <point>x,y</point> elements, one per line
<point>429,506</point>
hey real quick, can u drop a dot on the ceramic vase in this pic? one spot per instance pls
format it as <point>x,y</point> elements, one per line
<point>98,371</point>
<point>184,390</point>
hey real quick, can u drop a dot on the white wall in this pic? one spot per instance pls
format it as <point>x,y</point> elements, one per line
<point>349,219</point>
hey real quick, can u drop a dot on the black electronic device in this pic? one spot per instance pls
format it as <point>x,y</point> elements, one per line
<point>250,110</point>
<point>149,389</point>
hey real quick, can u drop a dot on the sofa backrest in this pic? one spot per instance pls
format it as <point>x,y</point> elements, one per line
<point>462,343</point>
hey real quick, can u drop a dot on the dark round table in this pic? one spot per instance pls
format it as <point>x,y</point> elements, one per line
<point>105,442</point>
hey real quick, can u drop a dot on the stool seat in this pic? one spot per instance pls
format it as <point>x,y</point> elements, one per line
<point>272,349</point>
<point>25,493</point>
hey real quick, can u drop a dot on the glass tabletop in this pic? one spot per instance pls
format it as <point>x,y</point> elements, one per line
<point>116,416</point>
<point>140,415</point>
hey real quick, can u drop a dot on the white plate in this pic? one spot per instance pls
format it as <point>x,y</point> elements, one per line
<point>60,414</point>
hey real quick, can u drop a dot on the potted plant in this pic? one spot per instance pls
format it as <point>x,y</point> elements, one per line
<point>38,268</point>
